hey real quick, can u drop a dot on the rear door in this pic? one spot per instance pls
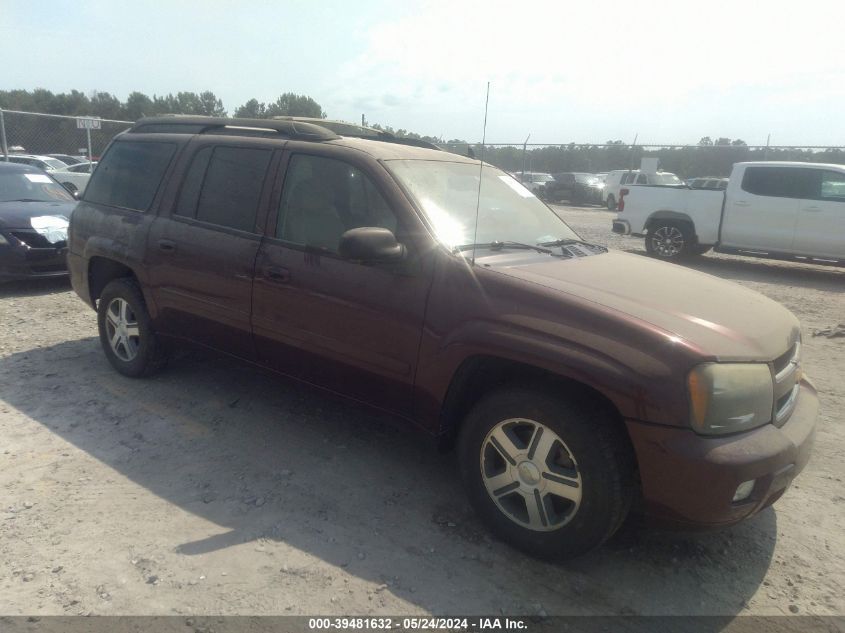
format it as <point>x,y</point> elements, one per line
<point>347,326</point>
<point>202,250</point>
<point>761,210</point>
<point>820,229</point>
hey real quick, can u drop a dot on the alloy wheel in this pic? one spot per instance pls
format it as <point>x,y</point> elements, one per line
<point>667,241</point>
<point>530,474</point>
<point>122,329</point>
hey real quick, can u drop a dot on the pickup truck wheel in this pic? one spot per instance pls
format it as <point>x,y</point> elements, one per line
<point>550,476</point>
<point>611,203</point>
<point>668,240</point>
<point>126,332</point>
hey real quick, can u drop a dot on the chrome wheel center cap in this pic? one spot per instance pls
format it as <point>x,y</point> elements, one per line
<point>529,473</point>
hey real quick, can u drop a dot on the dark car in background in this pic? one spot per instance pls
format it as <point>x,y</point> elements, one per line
<point>34,215</point>
<point>574,187</point>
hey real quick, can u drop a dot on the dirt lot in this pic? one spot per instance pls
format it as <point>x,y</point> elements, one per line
<point>216,488</point>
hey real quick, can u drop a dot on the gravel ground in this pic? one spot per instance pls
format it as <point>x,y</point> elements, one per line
<point>216,488</point>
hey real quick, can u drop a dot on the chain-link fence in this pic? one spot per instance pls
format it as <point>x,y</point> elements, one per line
<point>42,134</point>
<point>687,161</point>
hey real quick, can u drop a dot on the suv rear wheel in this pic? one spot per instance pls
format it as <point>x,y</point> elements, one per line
<point>552,477</point>
<point>126,332</point>
<point>611,203</point>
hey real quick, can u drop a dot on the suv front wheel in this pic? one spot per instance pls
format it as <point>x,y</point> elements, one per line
<point>126,332</point>
<point>551,476</point>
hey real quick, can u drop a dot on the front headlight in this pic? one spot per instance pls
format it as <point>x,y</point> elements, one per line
<point>727,397</point>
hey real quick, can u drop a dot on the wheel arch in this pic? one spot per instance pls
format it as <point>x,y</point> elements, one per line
<point>480,374</point>
<point>101,271</point>
<point>673,216</point>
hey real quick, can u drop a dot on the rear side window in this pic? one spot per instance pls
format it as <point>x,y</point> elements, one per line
<point>779,182</point>
<point>642,179</point>
<point>231,188</point>
<point>130,174</point>
<point>189,195</point>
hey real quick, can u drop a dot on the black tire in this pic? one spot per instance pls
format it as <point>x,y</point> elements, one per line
<point>600,454</point>
<point>611,203</point>
<point>669,240</point>
<point>136,356</point>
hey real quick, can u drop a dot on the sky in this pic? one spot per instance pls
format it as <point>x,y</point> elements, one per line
<point>561,71</point>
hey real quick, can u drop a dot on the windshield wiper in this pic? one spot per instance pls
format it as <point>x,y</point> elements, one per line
<point>498,245</point>
<point>567,242</point>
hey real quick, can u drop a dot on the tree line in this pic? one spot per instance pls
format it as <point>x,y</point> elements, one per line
<point>138,104</point>
<point>711,157</point>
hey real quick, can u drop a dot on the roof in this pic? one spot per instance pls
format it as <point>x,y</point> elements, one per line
<point>19,167</point>
<point>778,163</point>
<point>386,147</point>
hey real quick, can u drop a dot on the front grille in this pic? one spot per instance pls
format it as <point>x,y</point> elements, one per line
<point>34,239</point>
<point>787,369</point>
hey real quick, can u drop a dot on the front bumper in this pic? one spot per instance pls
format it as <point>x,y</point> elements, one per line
<point>690,480</point>
<point>18,261</point>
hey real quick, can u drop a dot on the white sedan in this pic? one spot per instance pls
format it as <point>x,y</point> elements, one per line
<point>75,177</point>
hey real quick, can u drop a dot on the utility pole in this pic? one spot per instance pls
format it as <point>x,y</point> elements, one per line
<point>524,149</point>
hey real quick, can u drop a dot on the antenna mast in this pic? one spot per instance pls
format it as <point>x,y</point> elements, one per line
<point>480,169</point>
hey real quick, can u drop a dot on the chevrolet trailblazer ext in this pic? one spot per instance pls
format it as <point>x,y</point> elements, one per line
<point>572,378</point>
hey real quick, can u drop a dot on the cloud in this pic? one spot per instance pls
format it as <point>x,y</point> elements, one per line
<point>587,60</point>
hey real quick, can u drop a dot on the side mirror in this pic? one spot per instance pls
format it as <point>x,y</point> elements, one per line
<point>370,244</point>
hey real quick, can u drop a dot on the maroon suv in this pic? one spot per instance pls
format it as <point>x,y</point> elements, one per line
<point>440,290</point>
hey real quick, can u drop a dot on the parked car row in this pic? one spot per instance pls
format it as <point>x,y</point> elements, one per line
<point>573,187</point>
<point>73,172</point>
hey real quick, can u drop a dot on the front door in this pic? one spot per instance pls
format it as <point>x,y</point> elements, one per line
<point>350,327</point>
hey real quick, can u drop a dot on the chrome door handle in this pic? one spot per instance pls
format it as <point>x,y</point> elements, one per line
<point>812,209</point>
<point>742,203</point>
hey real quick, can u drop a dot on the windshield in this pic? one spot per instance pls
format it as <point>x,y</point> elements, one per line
<point>667,179</point>
<point>27,186</point>
<point>448,194</point>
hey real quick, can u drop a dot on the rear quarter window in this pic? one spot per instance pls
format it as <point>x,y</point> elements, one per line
<point>129,174</point>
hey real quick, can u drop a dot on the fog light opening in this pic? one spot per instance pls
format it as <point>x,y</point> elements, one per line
<point>743,491</point>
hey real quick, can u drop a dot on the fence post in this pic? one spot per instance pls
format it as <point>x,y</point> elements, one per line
<point>90,155</point>
<point>3,145</point>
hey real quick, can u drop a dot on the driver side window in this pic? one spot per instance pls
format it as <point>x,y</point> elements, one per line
<point>323,198</point>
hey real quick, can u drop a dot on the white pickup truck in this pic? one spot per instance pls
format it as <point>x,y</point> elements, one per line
<point>770,209</point>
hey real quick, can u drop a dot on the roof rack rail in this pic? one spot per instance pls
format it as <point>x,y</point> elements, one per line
<point>353,130</point>
<point>179,124</point>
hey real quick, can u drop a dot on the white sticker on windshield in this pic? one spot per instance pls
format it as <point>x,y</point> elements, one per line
<point>38,178</point>
<point>513,184</point>
<point>52,227</point>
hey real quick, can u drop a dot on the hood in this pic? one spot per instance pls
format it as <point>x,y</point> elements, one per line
<point>720,318</point>
<point>18,215</point>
